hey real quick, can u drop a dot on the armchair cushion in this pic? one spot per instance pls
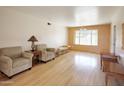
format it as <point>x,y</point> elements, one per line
<point>20,61</point>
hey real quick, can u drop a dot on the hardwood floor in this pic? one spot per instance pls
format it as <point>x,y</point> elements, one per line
<point>73,68</point>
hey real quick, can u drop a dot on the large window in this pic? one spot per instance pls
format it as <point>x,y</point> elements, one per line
<point>86,37</point>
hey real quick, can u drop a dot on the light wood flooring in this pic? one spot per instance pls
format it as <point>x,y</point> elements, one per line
<point>73,68</point>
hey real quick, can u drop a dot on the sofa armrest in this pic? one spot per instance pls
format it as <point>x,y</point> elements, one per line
<point>27,55</point>
<point>5,62</point>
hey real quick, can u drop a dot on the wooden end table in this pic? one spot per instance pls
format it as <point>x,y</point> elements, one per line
<point>36,55</point>
<point>106,59</point>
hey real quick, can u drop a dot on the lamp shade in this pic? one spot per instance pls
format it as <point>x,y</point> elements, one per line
<point>33,39</point>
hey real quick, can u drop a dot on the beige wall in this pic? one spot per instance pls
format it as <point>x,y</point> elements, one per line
<point>123,36</point>
<point>104,33</point>
<point>118,20</point>
<point>16,28</point>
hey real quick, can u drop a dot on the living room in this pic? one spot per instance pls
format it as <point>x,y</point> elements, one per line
<point>75,59</point>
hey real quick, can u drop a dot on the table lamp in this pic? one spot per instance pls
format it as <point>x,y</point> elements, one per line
<point>33,39</point>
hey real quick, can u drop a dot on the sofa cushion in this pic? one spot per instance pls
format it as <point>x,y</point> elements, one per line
<point>63,48</point>
<point>12,52</point>
<point>50,54</point>
<point>20,61</point>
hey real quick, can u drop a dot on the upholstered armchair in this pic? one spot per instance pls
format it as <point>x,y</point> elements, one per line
<point>13,60</point>
<point>46,53</point>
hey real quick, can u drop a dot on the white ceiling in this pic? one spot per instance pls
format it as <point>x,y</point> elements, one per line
<point>81,15</point>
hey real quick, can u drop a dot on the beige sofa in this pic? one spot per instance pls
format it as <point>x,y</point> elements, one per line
<point>47,53</point>
<point>13,60</point>
<point>62,50</point>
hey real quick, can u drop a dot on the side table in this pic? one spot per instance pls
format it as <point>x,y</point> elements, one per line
<point>106,59</point>
<point>36,55</point>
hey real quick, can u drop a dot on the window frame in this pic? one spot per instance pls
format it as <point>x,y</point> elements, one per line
<point>91,37</point>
